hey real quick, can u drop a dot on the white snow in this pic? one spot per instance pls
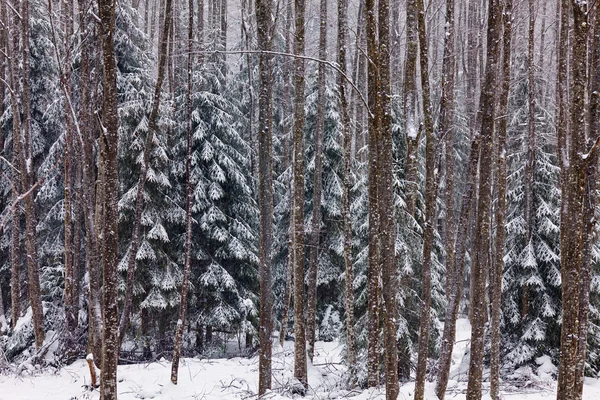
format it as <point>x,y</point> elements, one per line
<point>237,378</point>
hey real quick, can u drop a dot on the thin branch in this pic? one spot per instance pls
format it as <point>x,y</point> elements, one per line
<point>63,82</point>
<point>13,9</point>
<point>28,193</point>
<point>589,154</point>
<point>279,53</point>
<point>10,164</point>
<point>8,86</point>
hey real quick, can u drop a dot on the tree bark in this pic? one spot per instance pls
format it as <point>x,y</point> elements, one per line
<point>298,215</point>
<point>110,257</point>
<point>359,76</point>
<point>318,186</point>
<point>498,261</point>
<point>481,259</point>
<point>70,301</point>
<point>385,187</point>
<point>27,182</point>
<point>591,202</point>
<point>530,165</point>
<point>430,200</point>
<point>288,293</point>
<point>287,162</point>
<point>373,234</point>
<point>349,273</point>
<point>265,189</point>
<point>411,117</point>
<point>12,45</point>
<point>447,130</point>
<point>576,164</point>
<point>3,87</point>
<point>183,305</point>
<point>92,228</point>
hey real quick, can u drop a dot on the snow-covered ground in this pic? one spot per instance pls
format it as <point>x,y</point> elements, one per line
<point>237,378</point>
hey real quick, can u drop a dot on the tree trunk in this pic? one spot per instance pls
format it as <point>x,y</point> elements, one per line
<point>288,292</point>
<point>148,146</point>
<point>411,117</point>
<point>265,189</point>
<point>498,261</point>
<point>590,204</point>
<point>27,182</point>
<point>373,144</point>
<point>385,187</point>
<point>298,215</point>
<point>12,45</point>
<point>110,257</point>
<point>349,274</point>
<point>457,280</point>
<point>183,305</point>
<point>3,74</point>
<point>530,165</point>
<point>430,199</point>
<point>481,259</point>
<point>318,187</point>
<point>287,162</point>
<point>92,228</point>
<point>70,301</point>
<point>359,76</point>
<point>572,227</point>
<point>447,130</point>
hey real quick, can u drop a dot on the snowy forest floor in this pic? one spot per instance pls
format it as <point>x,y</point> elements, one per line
<point>237,378</point>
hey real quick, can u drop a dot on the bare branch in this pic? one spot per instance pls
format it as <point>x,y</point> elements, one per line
<point>279,53</point>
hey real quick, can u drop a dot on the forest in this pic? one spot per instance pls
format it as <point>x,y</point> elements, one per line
<point>181,178</point>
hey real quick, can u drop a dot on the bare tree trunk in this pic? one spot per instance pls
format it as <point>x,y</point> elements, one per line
<point>288,293</point>
<point>12,44</point>
<point>473,11</point>
<point>27,182</point>
<point>200,29</point>
<point>385,187</point>
<point>110,257</point>
<point>3,325</point>
<point>15,255</point>
<point>359,75</point>
<point>349,278</point>
<point>223,34</point>
<point>447,130</point>
<point>481,259</point>
<point>298,215</point>
<point>498,261</point>
<point>318,187</point>
<point>590,204</point>
<point>411,116</point>
<point>457,280</point>
<point>3,74</point>
<point>265,189</point>
<point>530,166</point>
<point>288,157</point>
<point>70,301</point>
<point>373,144</point>
<point>153,21</point>
<point>148,146</point>
<point>577,163</point>
<point>92,228</point>
<point>183,305</point>
<point>543,48</point>
<point>430,199</point>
